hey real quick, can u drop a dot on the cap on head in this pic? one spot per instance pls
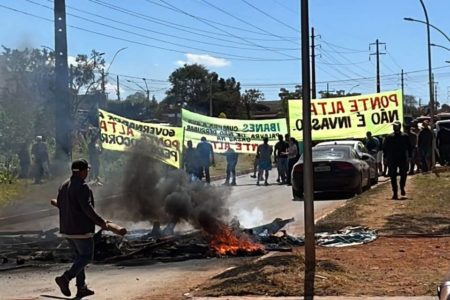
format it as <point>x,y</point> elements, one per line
<point>80,165</point>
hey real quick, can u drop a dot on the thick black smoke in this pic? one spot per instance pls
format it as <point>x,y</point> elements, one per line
<point>154,192</point>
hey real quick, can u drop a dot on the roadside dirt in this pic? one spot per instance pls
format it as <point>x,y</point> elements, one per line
<point>410,257</point>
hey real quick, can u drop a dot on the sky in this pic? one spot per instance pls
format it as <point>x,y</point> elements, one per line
<point>255,41</point>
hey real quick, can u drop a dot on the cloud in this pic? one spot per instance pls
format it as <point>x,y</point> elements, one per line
<point>204,59</point>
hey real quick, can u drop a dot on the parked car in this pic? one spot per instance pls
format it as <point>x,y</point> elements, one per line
<point>337,168</point>
<point>362,151</point>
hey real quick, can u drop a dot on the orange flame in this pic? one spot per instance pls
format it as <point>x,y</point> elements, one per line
<point>226,242</point>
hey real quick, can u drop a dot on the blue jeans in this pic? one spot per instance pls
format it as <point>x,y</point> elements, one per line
<point>282,166</point>
<point>84,253</point>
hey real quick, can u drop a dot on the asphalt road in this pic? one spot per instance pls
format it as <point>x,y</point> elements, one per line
<point>253,206</point>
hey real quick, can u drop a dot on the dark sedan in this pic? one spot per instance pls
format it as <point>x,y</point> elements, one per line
<point>337,168</point>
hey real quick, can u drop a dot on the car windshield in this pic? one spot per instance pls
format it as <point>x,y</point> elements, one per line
<point>330,153</point>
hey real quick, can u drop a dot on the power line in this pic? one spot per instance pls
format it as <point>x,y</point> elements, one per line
<point>226,32</point>
<point>271,17</point>
<point>164,22</point>
<point>225,55</point>
<point>136,42</point>
<point>165,33</point>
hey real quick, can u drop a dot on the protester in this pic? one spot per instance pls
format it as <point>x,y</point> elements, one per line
<point>264,152</point>
<point>293,156</point>
<point>372,144</point>
<point>443,144</point>
<point>379,157</point>
<point>24,160</point>
<point>191,162</point>
<point>94,151</point>
<point>255,166</point>
<point>281,159</point>
<point>425,146</point>
<point>397,149</point>
<point>206,157</point>
<point>232,159</point>
<point>77,220</point>
<point>413,142</point>
<point>39,151</point>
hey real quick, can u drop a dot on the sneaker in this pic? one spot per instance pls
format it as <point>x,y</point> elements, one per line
<point>63,284</point>
<point>266,183</point>
<point>253,176</point>
<point>257,183</point>
<point>394,197</point>
<point>233,183</point>
<point>403,193</point>
<point>84,292</point>
<point>278,180</point>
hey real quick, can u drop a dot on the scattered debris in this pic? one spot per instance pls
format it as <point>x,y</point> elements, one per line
<point>349,236</point>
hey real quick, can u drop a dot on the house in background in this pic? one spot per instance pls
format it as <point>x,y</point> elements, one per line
<point>268,109</point>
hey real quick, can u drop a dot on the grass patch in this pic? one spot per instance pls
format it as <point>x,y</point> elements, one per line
<point>350,213</point>
<point>9,192</point>
<point>427,210</point>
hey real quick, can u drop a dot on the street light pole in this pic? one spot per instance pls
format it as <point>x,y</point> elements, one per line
<point>308,192</point>
<point>430,81</point>
<point>431,25</point>
<point>147,90</point>
<point>352,88</point>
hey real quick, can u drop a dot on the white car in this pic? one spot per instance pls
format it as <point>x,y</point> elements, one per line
<point>362,151</point>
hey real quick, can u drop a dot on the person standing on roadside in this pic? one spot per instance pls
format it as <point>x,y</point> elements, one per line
<point>77,220</point>
<point>281,159</point>
<point>425,146</point>
<point>264,152</point>
<point>206,155</point>
<point>413,138</point>
<point>397,150</point>
<point>372,144</point>
<point>443,144</point>
<point>191,162</point>
<point>293,156</point>
<point>232,159</point>
<point>39,151</point>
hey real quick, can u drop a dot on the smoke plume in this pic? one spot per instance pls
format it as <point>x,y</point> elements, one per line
<point>154,192</point>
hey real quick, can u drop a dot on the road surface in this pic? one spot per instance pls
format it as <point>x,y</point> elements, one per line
<point>253,205</point>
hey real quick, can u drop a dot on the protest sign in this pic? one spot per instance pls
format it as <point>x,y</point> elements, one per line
<point>348,117</point>
<point>243,136</point>
<point>120,134</point>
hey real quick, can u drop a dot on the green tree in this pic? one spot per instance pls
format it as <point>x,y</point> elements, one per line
<point>194,87</point>
<point>286,95</point>
<point>249,99</point>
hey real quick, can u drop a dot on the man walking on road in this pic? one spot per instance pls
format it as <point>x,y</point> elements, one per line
<point>425,145</point>
<point>397,150</point>
<point>281,159</point>
<point>77,220</point>
<point>264,152</point>
<point>232,159</point>
<point>206,154</point>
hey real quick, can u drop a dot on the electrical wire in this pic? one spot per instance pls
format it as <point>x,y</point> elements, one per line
<point>271,17</point>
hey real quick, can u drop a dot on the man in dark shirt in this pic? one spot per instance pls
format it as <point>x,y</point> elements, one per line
<point>281,158</point>
<point>397,150</point>
<point>232,159</point>
<point>191,162</point>
<point>206,154</point>
<point>372,144</point>
<point>443,144</point>
<point>77,220</point>
<point>425,146</point>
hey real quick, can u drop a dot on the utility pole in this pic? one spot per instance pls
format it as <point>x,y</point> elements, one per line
<point>103,87</point>
<point>308,198</point>
<point>313,65</point>
<point>63,115</point>
<point>210,98</point>
<point>118,89</point>
<point>147,91</point>
<point>403,92</point>
<point>378,53</point>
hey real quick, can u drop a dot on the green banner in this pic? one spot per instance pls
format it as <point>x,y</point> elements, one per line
<point>243,136</point>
